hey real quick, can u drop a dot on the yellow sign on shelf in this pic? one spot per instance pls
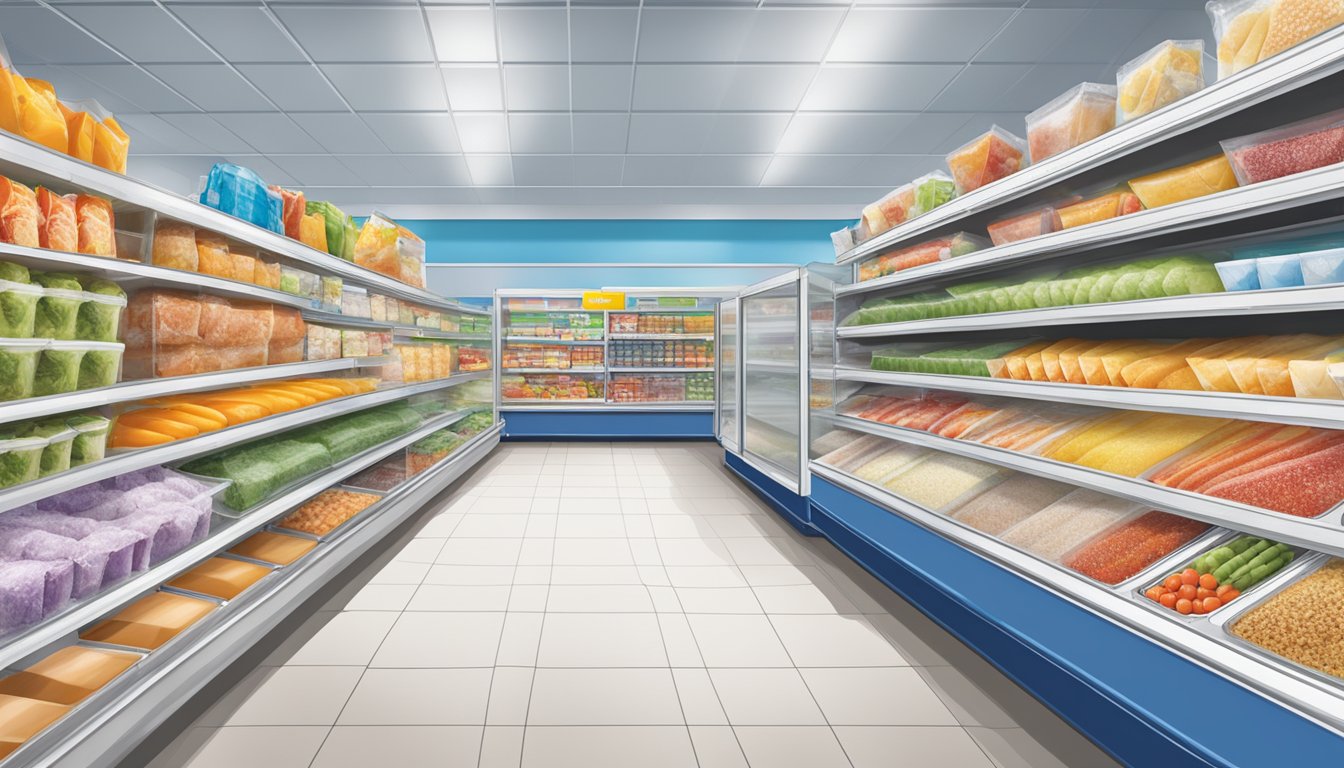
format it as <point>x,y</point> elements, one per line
<point>603,300</point>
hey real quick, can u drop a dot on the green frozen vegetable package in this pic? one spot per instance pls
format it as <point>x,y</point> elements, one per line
<point>932,190</point>
<point>20,457</point>
<point>18,367</point>
<point>90,443</point>
<point>57,315</point>
<point>60,440</point>
<point>476,422</point>
<point>14,273</point>
<point>954,361</point>
<point>101,366</point>
<point>18,309</point>
<point>58,369</point>
<point>336,222</point>
<point>100,314</point>
<point>260,469</point>
<point>62,280</point>
<point>439,442</point>
<point>346,436</point>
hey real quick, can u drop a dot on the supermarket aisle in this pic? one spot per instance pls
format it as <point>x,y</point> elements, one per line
<point>621,605</point>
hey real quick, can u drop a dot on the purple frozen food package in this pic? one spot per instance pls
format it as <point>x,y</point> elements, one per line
<point>22,591</point>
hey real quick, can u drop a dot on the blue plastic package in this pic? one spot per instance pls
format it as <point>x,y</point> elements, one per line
<point>1280,271</point>
<point>239,192</point>
<point>1238,275</point>
<point>1323,267</point>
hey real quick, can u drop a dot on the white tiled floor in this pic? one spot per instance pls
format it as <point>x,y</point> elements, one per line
<point>619,606</point>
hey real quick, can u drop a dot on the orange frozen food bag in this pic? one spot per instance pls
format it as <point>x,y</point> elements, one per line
<point>266,274</point>
<point>1244,368</point>
<point>79,132</point>
<point>40,118</point>
<point>1015,362</point>
<point>244,267</point>
<point>110,145</point>
<point>57,230</point>
<point>69,675</point>
<point>1272,371</point>
<point>19,214</point>
<point>174,245</point>
<point>313,231</point>
<point>1212,371</point>
<point>150,621</point>
<point>376,248</point>
<point>292,211</point>
<point>22,718</point>
<point>97,227</point>
<point>1147,372</point>
<point>212,255</point>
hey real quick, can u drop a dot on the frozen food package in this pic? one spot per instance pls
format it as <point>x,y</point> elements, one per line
<point>333,292</point>
<point>79,131</point>
<point>174,246</point>
<point>40,118</point>
<point>890,211</point>
<point>221,577</point>
<point>23,718</point>
<point>1167,72</point>
<point>1294,148</point>
<point>99,316</point>
<point>57,315</point>
<point>225,323</point>
<point>97,227</point>
<point>313,231</point>
<point>1301,623</point>
<point>57,229</point>
<point>989,157</point>
<point>293,208</point>
<point>1250,31</point>
<point>376,248</point>
<point>150,621</point>
<point>275,548</point>
<point>241,193</point>
<point>1078,115</point>
<point>939,249</point>
<point>932,190</point>
<point>244,266</point>
<point>1101,208</point>
<point>266,274</point>
<point>1202,177</point>
<point>68,675</point>
<point>410,257</point>
<point>111,145</point>
<point>334,222</point>
<point>212,255</point>
<point>20,217</point>
<point>1280,271</point>
<point>1240,275</point>
<point>1041,221</point>
<point>843,240</point>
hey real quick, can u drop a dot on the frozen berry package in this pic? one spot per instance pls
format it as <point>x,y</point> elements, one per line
<point>1302,146</point>
<point>988,157</point>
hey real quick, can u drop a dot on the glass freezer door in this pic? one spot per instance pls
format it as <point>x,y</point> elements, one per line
<point>726,423</point>
<point>772,385</point>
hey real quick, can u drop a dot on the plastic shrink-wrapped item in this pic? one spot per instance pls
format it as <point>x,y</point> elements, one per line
<point>288,335</point>
<point>20,217</point>
<point>313,231</point>
<point>1078,115</point>
<point>293,209</point>
<point>989,157</point>
<point>932,190</point>
<point>1250,31</point>
<point>376,248</point>
<point>212,255</point>
<point>1294,148</point>
<point>58,229</point>
<point>94,135</point>
<point>174,246</point>
<point>96,226</point>
<point>334,224</point>
<point>241,193</point>
<point>891,210</point>
<point>1167,72</point>
<point>1202,177</point>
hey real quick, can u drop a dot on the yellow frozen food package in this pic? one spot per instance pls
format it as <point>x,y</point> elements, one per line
<point>1311,378</point>
<point>1015,362</point>
<point>1273,373</point>
<point>1202,177</point>
<point>1162,436</point>
<point>1146,372</point>
<point>1212,370</point>
<point>1078,442</point>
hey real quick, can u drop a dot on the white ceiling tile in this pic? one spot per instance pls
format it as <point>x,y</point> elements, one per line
<point>416,131</point>
<point>48,38</point>
<point>269,132</point>
<point>212,87</point>
<point>294,87</point>
<point>598,170</point>
<point>602,34</point>
<point>738,87</point>
<point>1046,81</point>
<point>659,133</point>
<point>600,133</point>
<point>746,133</point>
<point>915,34</point>
<point>179,174</point>
<point>151,134</point>
<point>877,87</point>
<point>463,34</point>
<point>1030,33</point>
<point>533,34</point>
<point>342,33</point>
<point>543,171</point>
<point>263,167</point>
<point>846,171</point>
<point>763,87</point>
<point>539,133</point>
<point>1102,36</point>
<point>206,130</point>
<point>925,132</point>
<point>474,87</point>
<point>656,171</point>
<point>536,86</point>
<point>239,33</point>
<point>435,170</point>
<point>728,170</point>
<point>980,86</point>
<point>601,87</point>
<point>145,33</point>
<point>389,87</point>
<point>341,132</point>
<point>133,85</point>
<point>376,170</point>
<point>482,132</point>
<point>490,170</point>
<point>316,170</point>
<point>825,132</point>
<point>790,34</point>
<point>693,34</point>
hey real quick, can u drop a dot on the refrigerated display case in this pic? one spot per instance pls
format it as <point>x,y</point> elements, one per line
<point>727,425</point>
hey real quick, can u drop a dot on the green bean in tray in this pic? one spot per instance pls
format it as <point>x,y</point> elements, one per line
<point>1220,575</point>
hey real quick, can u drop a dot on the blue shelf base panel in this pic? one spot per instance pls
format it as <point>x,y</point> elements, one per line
<point>789,505</point>
<point>1143,704</point>
<point>555,423</point>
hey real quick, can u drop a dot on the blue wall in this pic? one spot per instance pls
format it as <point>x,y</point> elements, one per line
<point>608,241</point>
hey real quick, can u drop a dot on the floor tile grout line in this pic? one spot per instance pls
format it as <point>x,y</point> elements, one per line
<point>541,635</point>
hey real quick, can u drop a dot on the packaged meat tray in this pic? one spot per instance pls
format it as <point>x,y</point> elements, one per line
<point>150,621</point>
<point>68,675</point>
<point>940,249</point>
<point>383,476</point>
<point>274,548</point>
<point>1041,221</point>
<point>1076,116</point>
<point>1167,72</point>
<point>327,511</point>
<point>1202,177</point>
<point>1303,623</point>
<point>987,158</point>
<point>220,577</point>
<point>891,210</point>
<point>1101,208</point>
<point>1294,148</point>
<point>1250,31</point>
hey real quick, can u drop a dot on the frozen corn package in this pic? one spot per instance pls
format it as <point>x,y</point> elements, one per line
<point>1202,177</point>
<point>1250,31</point>
<point>989,157</point>
<point>1078,115</point>
<point>1167,72</point>
<point>1294,148</point>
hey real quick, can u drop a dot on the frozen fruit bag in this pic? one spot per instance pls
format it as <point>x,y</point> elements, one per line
<point>40,118</point>
<point>376,248</point>
<point>1294,148</point>
<point>9,104</point>
<point>19,214</point>
<point>212,255</point>
<point>79,131</point>
<point>1098,209</point>
<point>111,144</point>
<point>1078,115</point>
<point>1202,177</point>
<point>313,231</point>
<point>989,157</point>
<point>57,230</point>
<point>97,227</point>
<point>932,190</point>
<point>244,266</point>
<point>333,223</point>
<point>266,274</point>
<point>891,210</point>
<point>411,255</point>
<point>1250,31</point>
<point>294,207</point>
<point>1167,72</point>
<point>174,245</point>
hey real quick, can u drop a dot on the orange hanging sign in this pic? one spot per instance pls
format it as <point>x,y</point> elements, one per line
<point>603,300</point>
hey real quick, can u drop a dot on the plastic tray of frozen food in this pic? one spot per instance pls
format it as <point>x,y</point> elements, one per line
<point>151,621</point>
<point>220,577</point>
<point>328,513</point>
<point>1220,555</point>
<point>272,548</point>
